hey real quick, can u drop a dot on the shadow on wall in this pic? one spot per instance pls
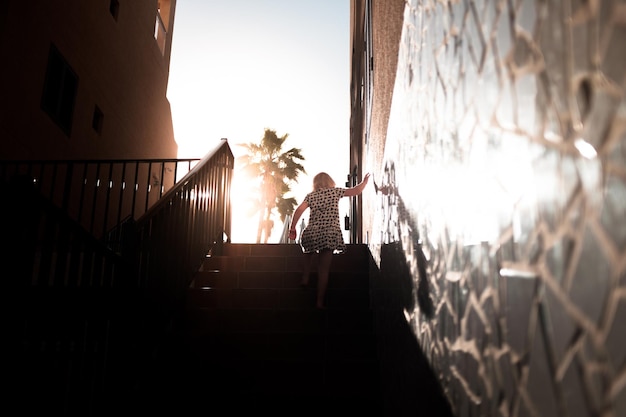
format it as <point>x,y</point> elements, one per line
<point>393,260</point>
<point>410,385</point>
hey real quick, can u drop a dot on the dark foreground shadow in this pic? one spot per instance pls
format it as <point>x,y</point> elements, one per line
<point>410,387</point>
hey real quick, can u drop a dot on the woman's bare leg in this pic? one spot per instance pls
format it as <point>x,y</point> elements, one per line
<point>306,268</point>
<point>323,268</point>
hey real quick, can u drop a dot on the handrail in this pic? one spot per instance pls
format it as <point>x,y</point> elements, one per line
<point>193,217</point>
<point>284,234</point>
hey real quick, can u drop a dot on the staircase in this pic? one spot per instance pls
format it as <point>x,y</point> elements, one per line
<point>251,339</point>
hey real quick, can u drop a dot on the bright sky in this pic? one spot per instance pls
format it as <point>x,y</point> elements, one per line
<point>239,67</point>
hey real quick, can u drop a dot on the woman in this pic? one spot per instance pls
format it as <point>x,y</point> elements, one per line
<point>323,233</point>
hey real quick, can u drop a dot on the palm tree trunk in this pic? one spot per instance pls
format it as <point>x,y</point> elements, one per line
<point>259,231</point>
<point>268,225</point>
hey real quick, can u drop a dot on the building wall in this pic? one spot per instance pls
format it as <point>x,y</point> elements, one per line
<point>503,175</point>
<point>120,69</point>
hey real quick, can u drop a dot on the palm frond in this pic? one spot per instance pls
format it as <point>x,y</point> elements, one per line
<point>274,170</point>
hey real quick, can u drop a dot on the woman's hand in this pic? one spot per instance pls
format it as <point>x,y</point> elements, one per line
<point>292,234</point>
<point>357,189</point>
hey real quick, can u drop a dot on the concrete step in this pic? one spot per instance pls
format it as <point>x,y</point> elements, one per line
<point>252,335</point>
<point>275,279</point>
<point>280,258</point>
<point>300,321</point>
<point>276,299</point>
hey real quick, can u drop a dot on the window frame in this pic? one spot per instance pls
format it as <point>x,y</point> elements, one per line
<point>60,89</point>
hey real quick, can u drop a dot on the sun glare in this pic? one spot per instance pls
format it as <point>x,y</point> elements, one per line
<point>214,94</point>
<point>243,224</point>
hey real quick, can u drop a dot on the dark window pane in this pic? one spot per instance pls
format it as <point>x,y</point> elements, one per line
<point>114,7</point>
<point>68,96</point>
<point>97,120</point>
<point>59,92</point>
<point>52,87</point>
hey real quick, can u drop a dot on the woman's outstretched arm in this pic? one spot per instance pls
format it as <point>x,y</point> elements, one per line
<point>357,189</point>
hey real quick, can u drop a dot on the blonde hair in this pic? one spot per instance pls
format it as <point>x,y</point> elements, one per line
<point>322,180</point>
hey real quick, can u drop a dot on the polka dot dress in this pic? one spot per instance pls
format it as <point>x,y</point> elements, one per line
<point>324,229</point>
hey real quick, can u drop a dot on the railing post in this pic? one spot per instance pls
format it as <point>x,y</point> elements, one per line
<point>68,186</point>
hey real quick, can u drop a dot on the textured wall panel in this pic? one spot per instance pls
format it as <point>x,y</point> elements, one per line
<point>505,170</point>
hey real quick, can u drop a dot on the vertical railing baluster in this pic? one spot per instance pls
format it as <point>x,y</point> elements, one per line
<point>107,200</point>
<point>31,175</point>
<point>136,185</point>
<point>81,201</point>
<point>122,188</point>
<point>148,188</point>
<point>53,181</point>
<point>68,186</point>
<point>162,180</point>
<point>95,198</point>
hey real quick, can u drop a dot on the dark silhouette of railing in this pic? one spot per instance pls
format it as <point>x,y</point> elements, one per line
<point>191,219</point>
<point>100,194</point>
<point>46,248</point>
<point>159,228</point>
<point>85,316</point>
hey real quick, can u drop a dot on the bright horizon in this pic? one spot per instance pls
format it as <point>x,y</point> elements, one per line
<point>238,68</point>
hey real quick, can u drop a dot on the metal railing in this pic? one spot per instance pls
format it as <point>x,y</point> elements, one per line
<point>45,248</point>
<point>191,219</point>
<point>68,214</point>
<point>100,194</point>
<point>83,314</point>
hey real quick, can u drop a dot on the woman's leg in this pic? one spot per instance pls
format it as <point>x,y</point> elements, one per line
<point>307,262</point>
<point>323,268</point>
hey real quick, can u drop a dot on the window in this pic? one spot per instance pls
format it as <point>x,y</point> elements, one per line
<point>160,32</point>
<point>98,118</point>
<point>59,92</point>
<point>162,22</point>
<point>114,8</point>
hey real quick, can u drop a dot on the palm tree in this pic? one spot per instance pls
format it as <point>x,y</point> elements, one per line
<point>275,171</point>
